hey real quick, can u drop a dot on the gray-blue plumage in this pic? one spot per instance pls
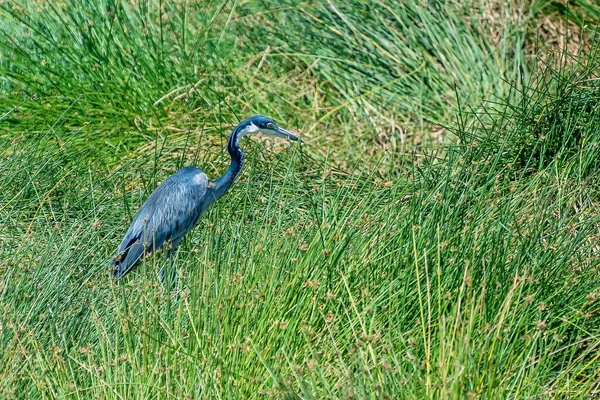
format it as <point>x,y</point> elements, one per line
<point>169,213</point>
<point>175,206</point>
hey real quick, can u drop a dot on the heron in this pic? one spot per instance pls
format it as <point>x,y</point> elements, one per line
<point>174,207</point>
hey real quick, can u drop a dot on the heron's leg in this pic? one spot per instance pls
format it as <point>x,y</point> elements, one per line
<point>168,280</point>
<point>170,264</point>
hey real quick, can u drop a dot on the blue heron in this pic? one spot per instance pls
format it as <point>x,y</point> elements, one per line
<point>175,206</point>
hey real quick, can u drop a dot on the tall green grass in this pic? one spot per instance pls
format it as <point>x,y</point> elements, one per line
<point>351,76</point>
<point>330,270</point>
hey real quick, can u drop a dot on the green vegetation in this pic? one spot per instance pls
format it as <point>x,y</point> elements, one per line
<point>435,237</point>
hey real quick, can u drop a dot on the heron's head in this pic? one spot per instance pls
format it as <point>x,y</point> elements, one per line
<point>262,124</point>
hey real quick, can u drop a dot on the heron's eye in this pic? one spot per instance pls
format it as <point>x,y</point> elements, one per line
<point>270,125</point>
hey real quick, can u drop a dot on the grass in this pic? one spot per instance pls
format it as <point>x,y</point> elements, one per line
<point>436,236</point>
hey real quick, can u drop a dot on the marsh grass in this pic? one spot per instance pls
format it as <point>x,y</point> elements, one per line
<point>383,77</point>
<point>329,270</point>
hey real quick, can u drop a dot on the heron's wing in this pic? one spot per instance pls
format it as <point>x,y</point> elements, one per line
<point>169,213</point>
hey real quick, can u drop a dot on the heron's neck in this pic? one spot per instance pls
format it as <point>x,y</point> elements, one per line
<point>225,181</point>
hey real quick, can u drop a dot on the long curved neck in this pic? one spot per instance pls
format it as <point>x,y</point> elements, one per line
<point>225,181</point>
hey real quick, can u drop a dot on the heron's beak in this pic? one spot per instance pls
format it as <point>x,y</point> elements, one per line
<point>287,134</point>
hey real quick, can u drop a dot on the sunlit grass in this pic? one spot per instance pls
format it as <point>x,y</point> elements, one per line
<point>356,79</point>
<point>339,268</point>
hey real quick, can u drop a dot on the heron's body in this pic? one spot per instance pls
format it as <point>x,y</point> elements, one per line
<point>175,207</point>
<point>169,213</point>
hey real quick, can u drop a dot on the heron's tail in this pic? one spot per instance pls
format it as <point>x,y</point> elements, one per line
<point>126,259</point>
